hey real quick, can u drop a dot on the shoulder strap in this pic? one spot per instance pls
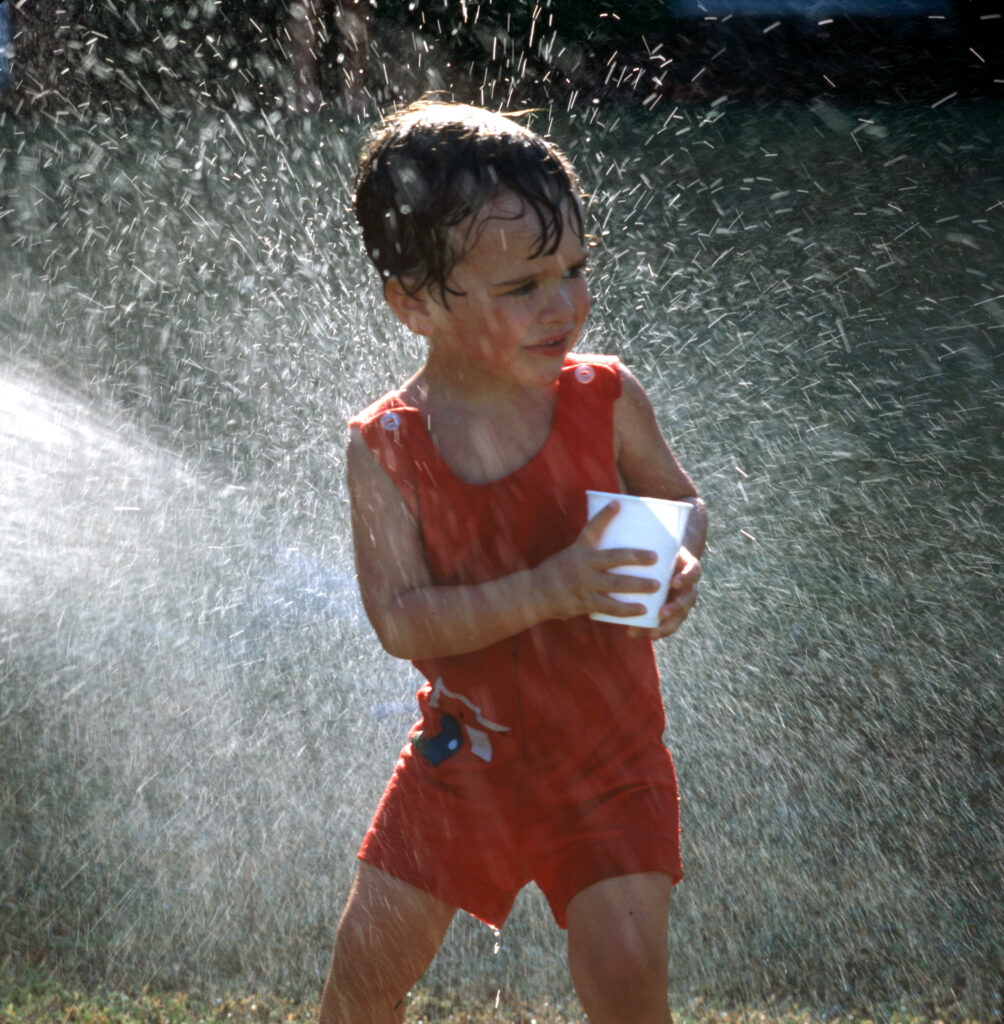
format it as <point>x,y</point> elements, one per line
<point>592,376</point>
<point>396,436</point>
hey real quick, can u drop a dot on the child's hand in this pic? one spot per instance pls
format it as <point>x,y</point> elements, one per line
<point>682,597</point>
<point>576,581</point>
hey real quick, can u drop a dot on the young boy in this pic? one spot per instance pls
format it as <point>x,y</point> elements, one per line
<point>538,755</point>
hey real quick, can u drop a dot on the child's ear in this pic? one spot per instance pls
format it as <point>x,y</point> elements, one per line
<point>411,308</point>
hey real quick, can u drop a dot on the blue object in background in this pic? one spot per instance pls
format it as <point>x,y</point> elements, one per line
<point>809,8</point>
<point>6,45</point>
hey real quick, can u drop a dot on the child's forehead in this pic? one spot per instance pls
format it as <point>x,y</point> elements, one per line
<point>506,224</point>
<point>507,210</point>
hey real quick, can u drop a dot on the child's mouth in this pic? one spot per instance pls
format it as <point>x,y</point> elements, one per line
<point>550,347</point>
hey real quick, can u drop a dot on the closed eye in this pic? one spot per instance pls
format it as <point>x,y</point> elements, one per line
<point>530,285</point>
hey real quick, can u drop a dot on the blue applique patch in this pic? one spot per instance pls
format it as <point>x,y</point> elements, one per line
<point>446,743</point>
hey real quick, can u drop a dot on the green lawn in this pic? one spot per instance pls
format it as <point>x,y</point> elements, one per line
<point>36,996</point>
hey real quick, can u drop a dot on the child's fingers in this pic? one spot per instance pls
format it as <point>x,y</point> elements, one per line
<point>671,616</point>
<point>613,606</point>
<point>665,628</point>
<point>609,558</point>
<point>623,583</point>
<point>688,570</point>
<point>593,530</point>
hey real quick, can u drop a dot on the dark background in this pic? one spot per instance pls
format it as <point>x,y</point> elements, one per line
<point>90,56</point>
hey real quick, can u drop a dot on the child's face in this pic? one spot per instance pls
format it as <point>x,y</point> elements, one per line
<point>518,316</point>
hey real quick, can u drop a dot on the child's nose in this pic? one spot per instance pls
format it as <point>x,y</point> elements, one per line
<point>559,304</point>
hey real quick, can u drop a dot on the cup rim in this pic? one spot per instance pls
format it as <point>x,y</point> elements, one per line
<point>619,496</point>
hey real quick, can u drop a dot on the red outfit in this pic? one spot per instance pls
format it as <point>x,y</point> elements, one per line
<point>540,757</point>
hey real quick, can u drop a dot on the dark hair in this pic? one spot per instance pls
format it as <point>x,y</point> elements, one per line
<point>431,165</point>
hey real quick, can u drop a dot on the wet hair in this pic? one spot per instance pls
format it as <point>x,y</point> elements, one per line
<point>432,165</point>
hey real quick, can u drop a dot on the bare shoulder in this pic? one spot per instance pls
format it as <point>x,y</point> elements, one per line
<point>359,458</point>
<point>633,409</point>
<point>644,458</point>
<point>388,548</point>
<point>378,507</point>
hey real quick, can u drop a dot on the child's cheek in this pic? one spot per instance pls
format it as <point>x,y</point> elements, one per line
<point>495,320</point>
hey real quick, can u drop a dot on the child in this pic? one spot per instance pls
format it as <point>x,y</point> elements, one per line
<point>539,753</point>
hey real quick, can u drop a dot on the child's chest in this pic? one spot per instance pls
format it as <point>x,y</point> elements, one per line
<point>502,493</point>
<point>483,449</point>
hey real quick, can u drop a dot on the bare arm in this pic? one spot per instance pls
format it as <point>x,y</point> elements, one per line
<point>415,618</point>
<point>648,467</point>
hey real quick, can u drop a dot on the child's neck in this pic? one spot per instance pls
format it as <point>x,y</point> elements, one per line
<point>444,380</point>
<point>482,431</point>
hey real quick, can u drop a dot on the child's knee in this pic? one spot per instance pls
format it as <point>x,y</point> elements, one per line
<point>629,966</point>
<point>358,942</point>
<point>368,951</point>
<point>627,987</point>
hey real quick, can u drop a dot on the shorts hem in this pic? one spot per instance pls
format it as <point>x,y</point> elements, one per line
<point>578,881</point>
<point>491,908</point>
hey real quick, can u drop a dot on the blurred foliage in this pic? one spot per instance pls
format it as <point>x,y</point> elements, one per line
<point>113,55</point>
<point>534,32</point>
<point>233,52</point>
<point>127,56</point>
<point>107,56</point>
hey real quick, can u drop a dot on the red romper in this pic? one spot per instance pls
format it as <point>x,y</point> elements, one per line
<point>539,758</point>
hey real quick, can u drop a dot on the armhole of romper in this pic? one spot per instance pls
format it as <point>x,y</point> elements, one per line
<point>616,384</point>
<point>396,464</point>
<point>592,394</point>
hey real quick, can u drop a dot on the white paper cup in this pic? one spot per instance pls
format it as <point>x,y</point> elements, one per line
<point>652,524</point>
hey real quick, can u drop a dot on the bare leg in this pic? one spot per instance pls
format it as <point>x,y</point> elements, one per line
<point>387,937</point>
<point>618,949</point>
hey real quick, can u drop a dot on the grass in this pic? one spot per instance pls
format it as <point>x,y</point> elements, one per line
<point>33,995</point>
<point>36,996</point>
